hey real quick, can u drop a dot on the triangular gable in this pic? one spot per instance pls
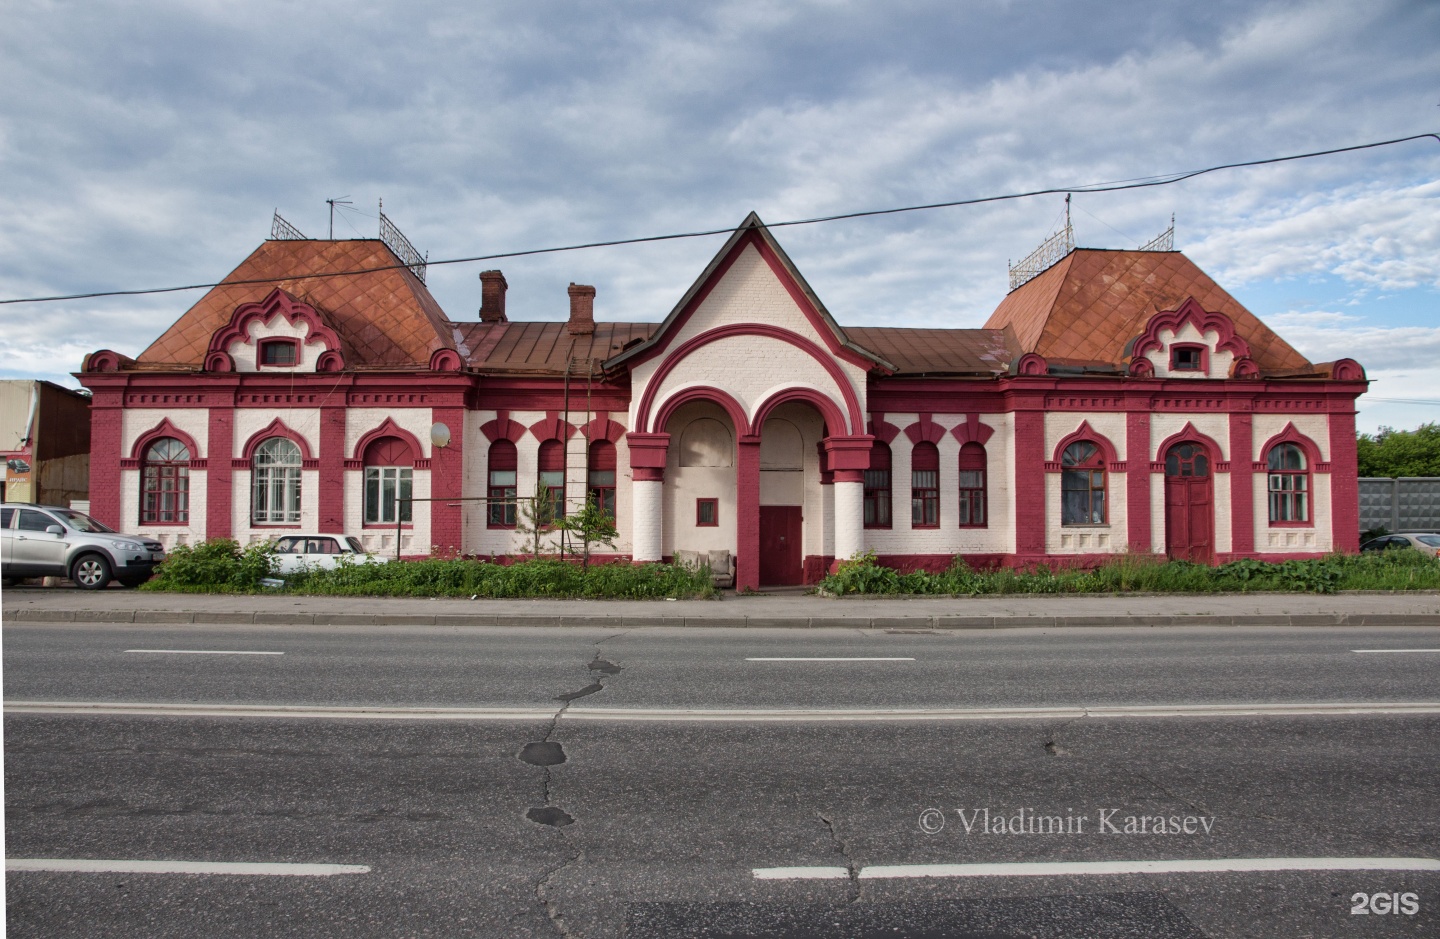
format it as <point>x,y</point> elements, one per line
<point>752,232</point>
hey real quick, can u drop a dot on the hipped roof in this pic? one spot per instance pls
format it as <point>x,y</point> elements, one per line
<point>385,318</point>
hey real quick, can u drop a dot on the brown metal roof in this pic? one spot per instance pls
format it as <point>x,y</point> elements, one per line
<point>1088,306</point>
<point>385,318</point>
<point>939,351</point>
<point>543,348</point>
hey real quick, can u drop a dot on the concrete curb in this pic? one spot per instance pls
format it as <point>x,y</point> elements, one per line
<point>939,622</point>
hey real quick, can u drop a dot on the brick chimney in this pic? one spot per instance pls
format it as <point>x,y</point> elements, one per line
<point>582,310</point>
<point>492,297</point>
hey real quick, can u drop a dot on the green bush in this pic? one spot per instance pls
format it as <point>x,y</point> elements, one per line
<point>1143,573</point>
<point>216,566</point>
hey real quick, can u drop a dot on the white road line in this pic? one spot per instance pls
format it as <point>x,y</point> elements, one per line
<point>821,658</point>
<point>1370,651</point>
<point>200,652</point>
<point>703,715</point>
<point>240,869</point>
<point>1103,868</point>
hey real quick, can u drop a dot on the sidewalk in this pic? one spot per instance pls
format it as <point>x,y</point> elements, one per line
<point>22,605</point>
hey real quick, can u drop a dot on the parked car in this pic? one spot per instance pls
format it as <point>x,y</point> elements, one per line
<point>324,551</point>
<point>51,541</point>
<point>1426,542</point>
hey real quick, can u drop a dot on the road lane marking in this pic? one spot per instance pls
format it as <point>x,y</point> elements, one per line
<point>1104,868</point>
<point>200,652</point>
<point>826,658</point>
<point>703,715</point>
<point>233,868</point>
<point>1370,651</point>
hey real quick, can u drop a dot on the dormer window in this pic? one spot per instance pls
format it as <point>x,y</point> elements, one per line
<point>1187,358</point>
<point>279,353</point>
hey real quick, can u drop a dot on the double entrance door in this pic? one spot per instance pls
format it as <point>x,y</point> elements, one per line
<point>1189,504</point>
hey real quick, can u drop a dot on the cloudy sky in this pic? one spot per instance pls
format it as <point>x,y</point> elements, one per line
<point>146,144</point>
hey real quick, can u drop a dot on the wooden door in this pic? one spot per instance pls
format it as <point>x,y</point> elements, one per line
<point>1189,504</point>
<point>780,545</point>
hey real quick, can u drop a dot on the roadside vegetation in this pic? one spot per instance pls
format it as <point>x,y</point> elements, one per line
<point>223,566</point>
<point>1134,573</point>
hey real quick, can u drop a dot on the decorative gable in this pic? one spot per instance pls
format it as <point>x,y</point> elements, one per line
<point>1189,342</point>
<point>278,334</point>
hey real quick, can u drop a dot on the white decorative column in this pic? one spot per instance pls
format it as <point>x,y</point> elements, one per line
<point>647,518</point>
<point>647,495</point>
<point>849,517</point>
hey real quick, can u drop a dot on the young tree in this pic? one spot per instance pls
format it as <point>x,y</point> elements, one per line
<point>537,517</point>
<point>1400,452</point>
<point>591,525</point>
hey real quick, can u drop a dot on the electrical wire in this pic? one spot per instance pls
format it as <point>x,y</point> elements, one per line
<point>1140,182</point>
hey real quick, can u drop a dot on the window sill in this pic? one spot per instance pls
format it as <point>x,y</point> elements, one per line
<point>1084,524</point>
<point>877,527</point>
<point>386,526</point>
<point>500,527</point>
<point>165,524</point>
<point>1292,524</point>
<point>914,527</point>
<point>274,524</point>
<point>973,527</point>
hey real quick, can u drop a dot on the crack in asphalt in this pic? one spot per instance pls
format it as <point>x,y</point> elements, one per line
<point>552,910</point>
<point>843,850</point>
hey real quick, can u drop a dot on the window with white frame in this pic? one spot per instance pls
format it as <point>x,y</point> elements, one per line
<point>275,483</point>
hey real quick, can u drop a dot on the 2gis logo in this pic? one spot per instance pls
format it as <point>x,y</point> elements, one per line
<point>1382,904</point>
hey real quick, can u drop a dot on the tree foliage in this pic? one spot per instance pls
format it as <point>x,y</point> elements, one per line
<point>1400,452</point>
<point>591,525</point>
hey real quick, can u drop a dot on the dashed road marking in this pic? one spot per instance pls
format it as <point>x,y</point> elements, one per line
<point>232,868</point>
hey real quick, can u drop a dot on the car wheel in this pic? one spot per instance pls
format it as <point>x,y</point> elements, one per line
<point>91,572</point>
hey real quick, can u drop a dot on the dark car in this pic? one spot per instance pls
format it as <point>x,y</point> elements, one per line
<point>51,541</point>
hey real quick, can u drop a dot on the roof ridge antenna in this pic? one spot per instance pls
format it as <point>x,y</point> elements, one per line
<point>1051,251</point>
<point>1165,241</point>
<point>281,230</point>
<point>338,200</point>
<point>396,241</point>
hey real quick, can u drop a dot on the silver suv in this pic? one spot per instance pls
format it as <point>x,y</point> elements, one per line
<point>50,541</point>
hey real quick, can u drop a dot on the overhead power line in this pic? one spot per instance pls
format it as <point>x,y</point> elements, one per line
<point>1142,182</point>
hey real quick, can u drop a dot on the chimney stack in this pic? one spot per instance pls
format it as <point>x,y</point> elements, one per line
<point>492,297</point>
<point>582,310</point>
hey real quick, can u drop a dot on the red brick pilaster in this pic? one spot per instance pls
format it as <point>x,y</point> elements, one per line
<point>1242,486</point>
<point>1030,459</point>
<point>447,481</point>
<point>219,476</point>
<point>1344,479</point>
<point>106,414</point>
<point>1137,479</point>
<point>332,468</point>
<point>747,513</point>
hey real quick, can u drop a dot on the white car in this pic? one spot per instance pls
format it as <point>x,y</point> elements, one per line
<point>294,553</point>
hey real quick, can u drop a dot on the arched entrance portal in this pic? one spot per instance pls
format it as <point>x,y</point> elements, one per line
<point>1189,504</point>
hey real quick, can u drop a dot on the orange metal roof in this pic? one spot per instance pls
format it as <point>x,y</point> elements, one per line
<point>1088,306</point>
<point>543,347</point>
<point>939,351</point>
<point>386,318</point>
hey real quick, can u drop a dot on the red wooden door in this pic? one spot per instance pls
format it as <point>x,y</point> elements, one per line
<point>780,545</point>
<point>1189,505</point>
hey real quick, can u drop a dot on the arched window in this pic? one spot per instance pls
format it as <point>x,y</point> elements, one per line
<point>925,486</point>
<point>165,483</point>
<point>552,474</point>
<point>602,476</point>
<point>972,486</point>
<point>275,483</point>
<point>1082,484</point>
<point>1289,484</point>
<point>502,462</point>
<point>877,487</point>
<point>389,476</point>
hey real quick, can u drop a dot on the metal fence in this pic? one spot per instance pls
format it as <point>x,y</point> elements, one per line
<point>1410,503</point>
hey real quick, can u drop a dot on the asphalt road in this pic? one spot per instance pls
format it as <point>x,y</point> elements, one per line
<point>543,827</point>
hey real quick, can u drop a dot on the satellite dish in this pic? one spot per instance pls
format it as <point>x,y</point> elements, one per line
<point>440,435</point>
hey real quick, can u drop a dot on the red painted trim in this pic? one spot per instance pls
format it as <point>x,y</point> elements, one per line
<point>925,429</point>
<point>852,401</point>
<point>812,315</point>
<point>1032,363</point>
<point>388,428</point>
<point>602,428</point>
<point>276,303</point>
<point>1242,486</point>
<point>1087,433</point>
<point>1029,472</point>
<point>276,341</point>
<point>709,393</point>
<point>445,360</point>
<point>834,420</point>
<point>1290,435</point>
<point>447,481</point>
<point>276,428</point>
<point>163,429</point>
<point>1188,434</point>
<point>551,427</point>
<point>972,431</point>
<point>714,515</point>
<point>331,487</point>
<point>648,474</point>
<point>848,476</point>
<point>877,427</point>
<point>502,428</point>
<point>1190,312</point>
<point>1137,484</point>
<point>105,360</point>
<point>847,454</point>
<point>1244,367</point>
<point>1141,367</point>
